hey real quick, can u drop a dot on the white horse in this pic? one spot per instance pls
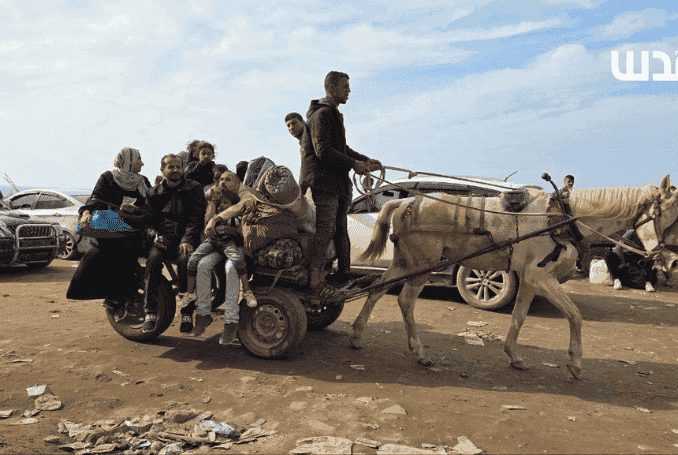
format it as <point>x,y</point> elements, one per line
<point>424,230</point>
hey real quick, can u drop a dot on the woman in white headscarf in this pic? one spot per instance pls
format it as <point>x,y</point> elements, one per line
<point>107,269</point>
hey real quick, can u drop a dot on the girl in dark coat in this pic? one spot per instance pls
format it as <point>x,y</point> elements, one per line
<point>107,269</point>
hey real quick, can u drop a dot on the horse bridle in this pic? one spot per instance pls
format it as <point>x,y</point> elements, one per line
<point>655,218</point>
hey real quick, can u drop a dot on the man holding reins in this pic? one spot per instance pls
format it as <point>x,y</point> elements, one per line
<point>326,161</point>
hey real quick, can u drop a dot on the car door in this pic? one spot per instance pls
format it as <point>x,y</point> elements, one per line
<point>362,218</point>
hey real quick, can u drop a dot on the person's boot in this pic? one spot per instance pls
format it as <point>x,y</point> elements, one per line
<point>229,333</point>
<point>187,309</point>
<point>149,322</point>
<point>250,298</point>
<point>649,287</point>
<point>201,323</point>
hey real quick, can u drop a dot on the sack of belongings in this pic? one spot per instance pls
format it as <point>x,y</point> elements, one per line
<point>280,254</point>
<point>599,274</point>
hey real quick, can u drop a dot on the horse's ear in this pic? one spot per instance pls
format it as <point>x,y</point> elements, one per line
<point>665,187</point>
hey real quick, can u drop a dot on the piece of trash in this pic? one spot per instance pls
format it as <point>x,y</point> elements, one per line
<point>54,316</point>
<point>254,433</point>
<point>474,341</point>
<point>571,418</point>
<point>674,431</point>
<point>384,331</point>
<point>477,323</point>
<point>221,428</point>
<point>54,439</point>
<point>466,447</point>
<point>367,443</point>
<point>6,414</point>
<point>339,377</point>
<point>436,369</point>
<point>22,360</point>
<point>207,400</point>
<point>630,362</point>
<point>642,409</point>
<point>395,409</point>
<point>428,446</point>
<point>513,407</point>
<point>197,379</point>
<point>47,403</point>
<point>307,388</point>
<point>36,390</point>
<point>108,448</point>
<point>644,373</point>
<point>323,444</point>
<point>500,388</point>
<point>358,367</point>
<point>366,400</point>
<point>628,348</point>
<point>550,364</point>
<point>25,421</point>
<point>30,412</point>
<point>120,373</point>
<point>171,449</point>
<point>451,308</point>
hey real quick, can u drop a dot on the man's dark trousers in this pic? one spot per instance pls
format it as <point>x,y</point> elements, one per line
<point>331,209</point>
<point>154,264</point>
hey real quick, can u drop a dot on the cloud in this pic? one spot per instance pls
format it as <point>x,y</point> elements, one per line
<point>630,22</point>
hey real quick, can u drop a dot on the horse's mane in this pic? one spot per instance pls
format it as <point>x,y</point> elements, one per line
<point>612,203</point>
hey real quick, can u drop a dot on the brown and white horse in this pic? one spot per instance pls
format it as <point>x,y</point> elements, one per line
<point>424,230</point>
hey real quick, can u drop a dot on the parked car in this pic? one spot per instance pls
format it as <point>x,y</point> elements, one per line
<point>25,240</point>
<point>53,206</point>
<point>488,290</point>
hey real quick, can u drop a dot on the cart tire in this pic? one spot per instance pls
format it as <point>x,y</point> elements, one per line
<point>130,326</point>
<point>275,327</point>
<point>487,290</point>
<point>321,316</point>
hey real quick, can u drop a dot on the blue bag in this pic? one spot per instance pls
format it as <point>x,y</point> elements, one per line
<point>106,224</point>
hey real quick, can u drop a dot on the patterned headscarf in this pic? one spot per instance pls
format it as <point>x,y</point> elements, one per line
<point>123,175</point>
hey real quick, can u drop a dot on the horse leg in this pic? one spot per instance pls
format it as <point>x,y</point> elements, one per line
<point>562,301</point>
<point>406,300</point>
<point>520,309</point>
<point>361,320</point>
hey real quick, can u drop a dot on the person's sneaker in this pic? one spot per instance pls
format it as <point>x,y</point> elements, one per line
<point>228,336</point>
<point>149,323</point>
<point>201,323</point>
<point>617,284</point>
<point>186,323</point>
<point>251,300</point>
<point>649,287</point>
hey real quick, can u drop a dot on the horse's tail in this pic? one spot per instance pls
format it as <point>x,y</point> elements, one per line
<point>378,243</point>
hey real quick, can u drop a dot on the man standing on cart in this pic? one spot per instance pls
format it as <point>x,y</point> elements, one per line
<point>326,161</point>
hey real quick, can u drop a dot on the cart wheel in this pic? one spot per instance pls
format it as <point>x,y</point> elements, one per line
<point>322,315</point>
<point>130,325</point>
<point>275,327</point>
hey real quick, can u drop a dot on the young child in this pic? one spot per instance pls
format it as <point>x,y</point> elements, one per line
<point>227,240</point>
<point>568,185</point>
<point>202,171</point>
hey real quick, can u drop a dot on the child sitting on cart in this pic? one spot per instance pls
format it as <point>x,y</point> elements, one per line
<point>222,236</point>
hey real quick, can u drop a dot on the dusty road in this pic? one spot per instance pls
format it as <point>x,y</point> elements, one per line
<point>627,401</point>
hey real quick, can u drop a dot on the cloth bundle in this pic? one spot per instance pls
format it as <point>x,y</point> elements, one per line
<point>280,254</point>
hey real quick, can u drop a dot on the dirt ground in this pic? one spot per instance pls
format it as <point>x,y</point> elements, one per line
<point>627,401</point>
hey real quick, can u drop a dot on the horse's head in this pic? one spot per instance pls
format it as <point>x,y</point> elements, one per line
<point>657,228</point>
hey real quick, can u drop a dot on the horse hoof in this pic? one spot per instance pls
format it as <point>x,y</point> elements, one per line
<point>426,362</point>
<point>519,365</point>
<point>575,370</point>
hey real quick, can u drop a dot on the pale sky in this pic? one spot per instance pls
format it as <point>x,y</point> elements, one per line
<point>474,87</point>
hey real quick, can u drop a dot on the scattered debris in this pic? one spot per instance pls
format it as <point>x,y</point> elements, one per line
<point>365,400</point>
<point>339,377</point>
<point>474,341</point>
<point>259,423</point>
<point>466,447</point>
<point>119,373</point>
<point>384,331</point>
<point>47,403</point>
<point>22,360</point>
<point>513,407</point>
<point>642,409</point>
<point>436,369</point>
<point>254,433</point>
<point>395,409</point>
<point>476,324</point>
<point>571,418</point>
<point>6,414</point>
<point>323,444</point>
<point>207,400</point>
<point>644,373</point>
<point>628,348</point>
<point>451,308</point>
<point>367,443</point>
<point>553,365</point>
<point>54,316</point>
<point>25,421</point>
<point>307,388</point>
<point>36,390</point>
<point>358,367</point>
<point>393,449</point>
<point>372,426</point>
<point>630,362</point>
<point>54,439</point>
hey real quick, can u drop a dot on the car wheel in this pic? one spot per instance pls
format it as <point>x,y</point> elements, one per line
<point>487,290</point>
<point>71,250</point>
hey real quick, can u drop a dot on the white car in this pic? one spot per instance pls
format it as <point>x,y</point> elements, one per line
<point>488,290</point>
<point>53,206</point>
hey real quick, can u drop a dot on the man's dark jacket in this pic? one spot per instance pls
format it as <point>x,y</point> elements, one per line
<point>178,214</point>
<point>325,158</point>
